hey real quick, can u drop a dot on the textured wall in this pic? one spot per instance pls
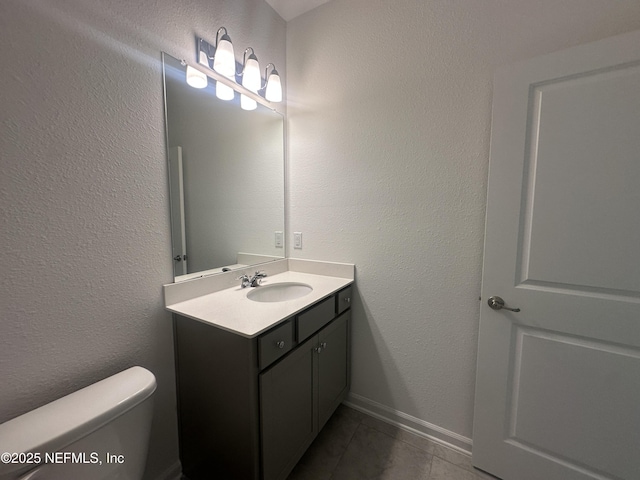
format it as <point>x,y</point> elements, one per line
<point>84,195</point>
<point>389,127</point>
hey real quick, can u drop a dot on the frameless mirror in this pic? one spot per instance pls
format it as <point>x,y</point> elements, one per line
<point>226,178</point>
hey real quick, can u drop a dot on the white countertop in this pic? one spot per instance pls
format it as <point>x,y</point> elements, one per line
<point>230,309</point>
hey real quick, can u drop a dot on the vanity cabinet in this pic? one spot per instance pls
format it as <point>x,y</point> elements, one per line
<point>299,394</point>
<point>250,407</point>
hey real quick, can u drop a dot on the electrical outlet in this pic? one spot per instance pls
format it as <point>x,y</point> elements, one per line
<point>297,239</point>
<point>279,240</point>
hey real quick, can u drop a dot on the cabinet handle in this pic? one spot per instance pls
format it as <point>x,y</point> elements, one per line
<point>280,344</point>
<point>323,345</point>
<point>347,299</point>
<point>319,349</point>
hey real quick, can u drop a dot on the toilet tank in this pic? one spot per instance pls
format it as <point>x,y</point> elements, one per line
<point>99,432</point>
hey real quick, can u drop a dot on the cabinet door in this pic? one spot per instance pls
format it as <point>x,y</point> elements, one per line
<point>288,419</point>
<point>333,367</point>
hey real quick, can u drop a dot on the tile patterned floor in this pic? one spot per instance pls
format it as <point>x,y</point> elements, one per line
<point>354,446</point>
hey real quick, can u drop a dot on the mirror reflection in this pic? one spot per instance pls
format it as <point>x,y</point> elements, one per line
<point>226,177</point>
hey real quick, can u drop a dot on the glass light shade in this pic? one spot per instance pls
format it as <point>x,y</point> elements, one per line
<point>247,103</point>
<point>203,59</point>
<point>196,78</point>
<point>224,92</point>
<point>274,88</point>
<point>251,78</point>
<point>224,61</point>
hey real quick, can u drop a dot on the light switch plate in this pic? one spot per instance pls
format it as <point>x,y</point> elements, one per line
<point>279,239</point>
<point>297,239</point>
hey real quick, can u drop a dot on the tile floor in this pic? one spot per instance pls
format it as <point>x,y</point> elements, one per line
<point>355,446</point>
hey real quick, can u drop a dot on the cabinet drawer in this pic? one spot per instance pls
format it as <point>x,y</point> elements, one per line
<point>275,343</point>
<point>315,318</point>
<point>343,300</point>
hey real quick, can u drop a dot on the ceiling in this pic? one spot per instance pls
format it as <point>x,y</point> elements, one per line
<point>290,9</point>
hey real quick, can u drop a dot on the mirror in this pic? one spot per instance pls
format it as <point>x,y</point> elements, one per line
<point>226,178</point>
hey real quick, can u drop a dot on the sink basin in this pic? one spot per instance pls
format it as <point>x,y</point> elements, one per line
<point>279,292</point>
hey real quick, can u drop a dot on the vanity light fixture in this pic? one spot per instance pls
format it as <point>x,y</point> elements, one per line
<point>220,58</point>
<point>196,78</point>
<point>272,84</point>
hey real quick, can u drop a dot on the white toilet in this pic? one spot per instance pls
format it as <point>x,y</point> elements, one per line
<point>99,432</point>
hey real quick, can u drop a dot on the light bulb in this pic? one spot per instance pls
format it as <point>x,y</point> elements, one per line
<point>251,78</point>
<point>224,92</point>
<point>196,78</point>
<point>247,103</point>
<point>224,61</point>
<point>203,59</point>
<point>274,87</point>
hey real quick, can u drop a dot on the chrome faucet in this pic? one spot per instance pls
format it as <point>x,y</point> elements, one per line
<point>252,281</point>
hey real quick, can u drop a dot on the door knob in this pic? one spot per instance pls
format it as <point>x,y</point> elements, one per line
<point>497,303</point>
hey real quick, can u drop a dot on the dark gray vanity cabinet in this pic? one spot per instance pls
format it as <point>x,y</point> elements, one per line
<point>300,393</point>
<point>250,407</point>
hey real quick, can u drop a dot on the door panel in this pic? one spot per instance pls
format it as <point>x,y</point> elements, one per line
<point>592,405</point>
<point>583,130</point>
<point>558,383</point>
<point>333,376</point>
<point>288,415</point>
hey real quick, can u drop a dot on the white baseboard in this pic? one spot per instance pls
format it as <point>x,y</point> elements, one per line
<point>174,472</point>
<point>409,423</point>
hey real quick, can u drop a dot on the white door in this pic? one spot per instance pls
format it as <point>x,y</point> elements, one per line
<point>178,226</point>
<point>558,383</point>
